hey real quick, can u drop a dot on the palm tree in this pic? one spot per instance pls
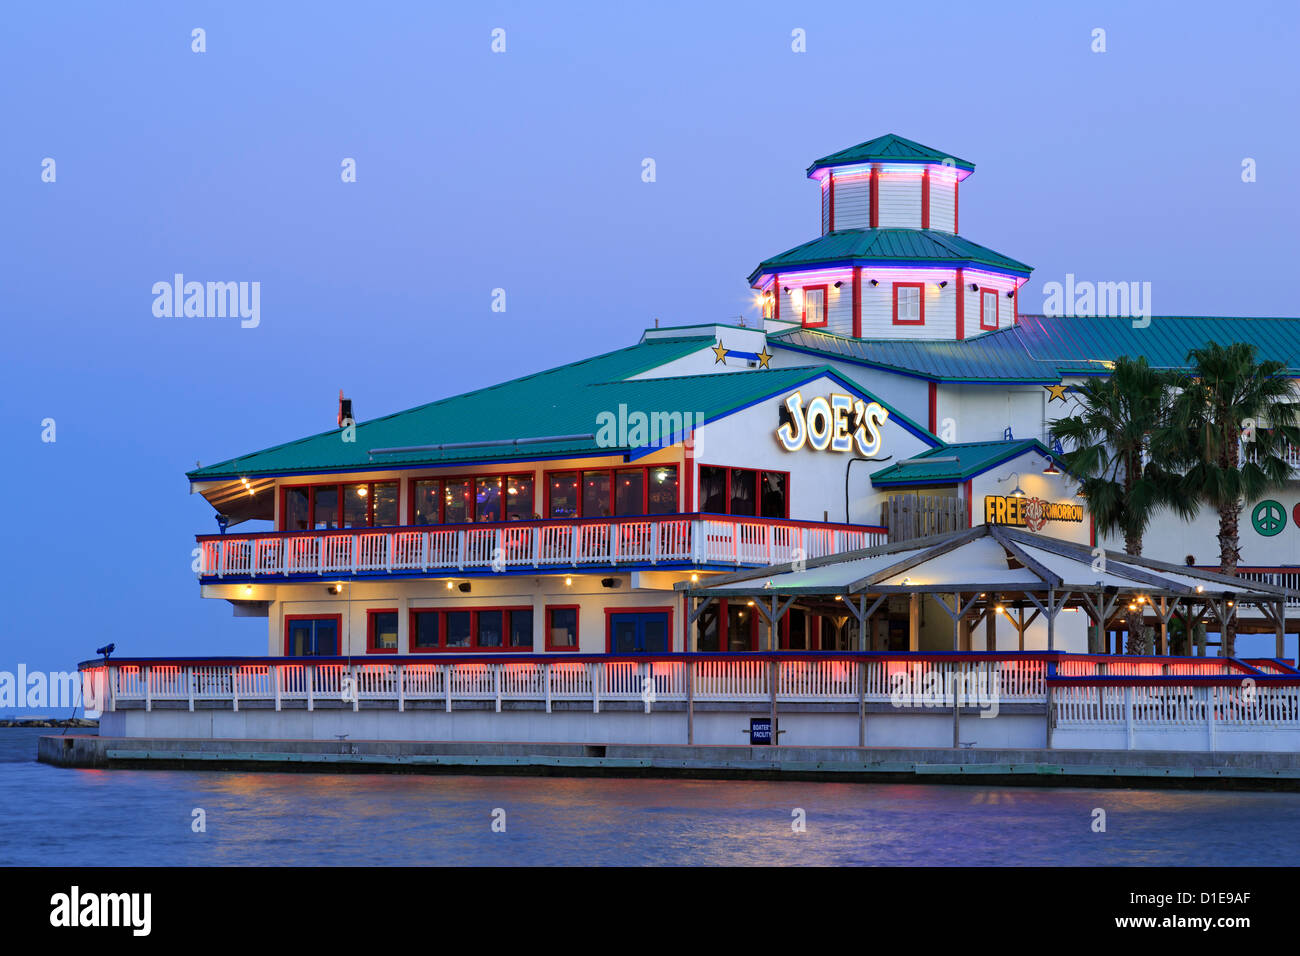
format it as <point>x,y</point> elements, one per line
<point>1230,403</point>
<point>1110,454</point>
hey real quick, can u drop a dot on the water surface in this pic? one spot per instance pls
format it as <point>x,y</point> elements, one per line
<point>52,816</point>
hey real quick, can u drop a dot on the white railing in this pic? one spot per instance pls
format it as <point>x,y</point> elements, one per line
<point>695,540</point>
<point>924,682</point>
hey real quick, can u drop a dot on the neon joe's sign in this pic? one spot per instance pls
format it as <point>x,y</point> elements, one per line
<point>835,423</point>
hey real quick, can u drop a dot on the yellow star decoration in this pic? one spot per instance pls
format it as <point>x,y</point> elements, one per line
<point>764,357</point>
<point>1056,391</point>
<point>720,352</point>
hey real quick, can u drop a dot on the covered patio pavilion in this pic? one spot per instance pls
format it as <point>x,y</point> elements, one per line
<point>991,572</point>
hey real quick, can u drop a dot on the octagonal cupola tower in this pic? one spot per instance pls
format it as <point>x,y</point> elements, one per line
<point>889,262</point>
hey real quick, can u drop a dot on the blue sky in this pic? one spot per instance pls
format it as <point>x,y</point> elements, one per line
<point>521,171</point>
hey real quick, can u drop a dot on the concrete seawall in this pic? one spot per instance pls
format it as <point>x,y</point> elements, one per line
<point>1019,767</point>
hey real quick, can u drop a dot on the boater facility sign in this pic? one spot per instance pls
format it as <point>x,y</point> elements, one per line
<point>1032,513</point>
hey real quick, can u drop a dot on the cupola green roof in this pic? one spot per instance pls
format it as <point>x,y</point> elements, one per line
<point>890,148</point>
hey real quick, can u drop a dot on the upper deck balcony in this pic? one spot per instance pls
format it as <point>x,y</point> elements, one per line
<point>574,544</point>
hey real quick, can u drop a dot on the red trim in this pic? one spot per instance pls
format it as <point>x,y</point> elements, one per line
<point>609,636</point>
<point>934,407</point>
<point>338,628</point>
<point>954,206</point>
<point>577,626</point>
<point>910,285</point>
<point>371,647</point>
<point>688,479</point>
<point>961,305</point>
<point>473,612</point>
<point>983,293</point>
<point>830,199</point>
<point>925,198</point>
<point>826,301</point>
<point>612,474</point>
<point>1015,306</point>
<point>970,490</point>
<point>758,501</point>
<point>857,302</point>
<point>776,293</point>
<point>875,197</point>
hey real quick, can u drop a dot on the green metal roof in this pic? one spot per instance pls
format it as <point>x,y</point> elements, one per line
<point>1076,344</point>
<point>563,401</point>
<point>949,464</point>
<point>889,148</point>
<point>1042,350</point>
<point>997,356</point>
<point>846,247</point>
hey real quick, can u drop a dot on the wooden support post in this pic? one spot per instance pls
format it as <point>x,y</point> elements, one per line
<point>690,702</point>
<point>914,621</point>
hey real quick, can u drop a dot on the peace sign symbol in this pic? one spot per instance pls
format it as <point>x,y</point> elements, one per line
<point>1269,517</point>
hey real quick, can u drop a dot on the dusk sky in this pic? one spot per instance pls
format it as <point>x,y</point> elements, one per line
<point>522,171</point>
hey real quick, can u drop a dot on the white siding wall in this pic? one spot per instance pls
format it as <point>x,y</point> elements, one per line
<point>942,207</point>
<point>852,201</point>
<point>839,302</point>
<point>900,197</point>
<point>1006,306</point>
<point>826,206</point>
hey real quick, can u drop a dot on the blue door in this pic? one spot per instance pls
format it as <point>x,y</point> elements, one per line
<point>313,637</point>
<point>639,632</point>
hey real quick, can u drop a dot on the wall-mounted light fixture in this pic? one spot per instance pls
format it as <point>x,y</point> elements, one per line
<point>609,582</point>
<point>875,282</point>
<point>838,284</point>
<point>335,589</point>
<point>943,284</point>
<point>974,287</point>
<point>1011,294</point>
<point>1016,492</point>
<point>463,587</point>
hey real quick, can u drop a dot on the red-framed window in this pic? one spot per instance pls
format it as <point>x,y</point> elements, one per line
<point>815,298</point>
<point>463,499</point>
<point>562,627</point>
<point>612,492</point>
<point>909,303</point>
<point>752,492</point>
<point>769,310</point>
<point>728,626</point>
<point>644,630</point>
<point>313,635</point>
<point>988,308</point>
<point>333,505</point>
<point>381,630</point>
<point>474,630</point>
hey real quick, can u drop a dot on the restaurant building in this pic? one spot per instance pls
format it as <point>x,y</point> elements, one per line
<point>888,389</point>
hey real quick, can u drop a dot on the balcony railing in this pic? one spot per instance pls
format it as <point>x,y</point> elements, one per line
<point>683,540</point>
<point>907,680</point>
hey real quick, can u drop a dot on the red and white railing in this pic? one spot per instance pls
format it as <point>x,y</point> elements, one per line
<point>904,680</point>
<point>570,544</point>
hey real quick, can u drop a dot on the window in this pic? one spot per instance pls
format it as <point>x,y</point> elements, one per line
<point>744,491</point>
<point>426,501</point>
<point>381,631</point>
<point>562,627</point>
<point>457,501</point>
<point>296,515</point>
<point>814,305</point>
<point>768,310</point>
<point>595,494</point>
<point>425,630</point>
<point>629,492</point>
<point>367,504</point>
<point>727,625</point>
<point>605,493</point>
<point>464,500</point>
<point>562,495</point>
<point>661,491</point>
<point>988,308</point>
<point>472,629</point>
<point>306,636</point>
<point>909,303</point>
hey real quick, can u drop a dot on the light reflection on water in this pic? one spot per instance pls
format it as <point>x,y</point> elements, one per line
<point>80,818</point>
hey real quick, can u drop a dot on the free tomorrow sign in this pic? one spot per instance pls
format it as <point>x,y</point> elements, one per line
<point>1031,513</point>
